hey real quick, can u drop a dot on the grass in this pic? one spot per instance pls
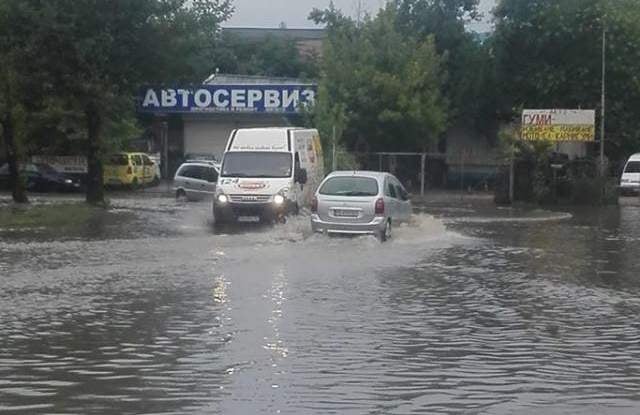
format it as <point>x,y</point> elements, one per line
<point>59,215</point>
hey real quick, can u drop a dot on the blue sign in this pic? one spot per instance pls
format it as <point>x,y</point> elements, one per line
<point>227,98</point>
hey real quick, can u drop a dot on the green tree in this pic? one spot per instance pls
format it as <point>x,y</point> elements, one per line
<point>272,56</point>
<point>382,84</point>
<point>469,86</point>
<point>548,55</point>
<point>98,52</point>
<point>13,89</point>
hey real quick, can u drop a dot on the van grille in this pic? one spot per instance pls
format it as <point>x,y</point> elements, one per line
<point>249,198</point>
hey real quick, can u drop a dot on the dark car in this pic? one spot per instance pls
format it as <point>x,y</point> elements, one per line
<point>41,177</point>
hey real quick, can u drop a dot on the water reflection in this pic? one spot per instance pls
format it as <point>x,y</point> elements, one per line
<point>527,316</point>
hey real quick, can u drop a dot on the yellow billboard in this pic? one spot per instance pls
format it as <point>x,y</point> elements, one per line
<point>558,125</point>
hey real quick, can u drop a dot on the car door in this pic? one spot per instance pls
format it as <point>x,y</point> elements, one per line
<point>404,204</point>
<point>32,177</point>
<point>181,179</point>
<point>188,180</point>
<point>197,183</point>
<point>211,177</point>
<point>391,200</point>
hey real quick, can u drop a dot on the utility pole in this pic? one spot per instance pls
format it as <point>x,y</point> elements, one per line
<point>334,161</point>
<point>602,98</point>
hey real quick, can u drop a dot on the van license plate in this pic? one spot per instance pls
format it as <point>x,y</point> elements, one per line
<point>248,218</point>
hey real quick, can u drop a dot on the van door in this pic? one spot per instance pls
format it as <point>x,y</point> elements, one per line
<point>138,168</point>
<point>298,188</point>
<point>148,169</point>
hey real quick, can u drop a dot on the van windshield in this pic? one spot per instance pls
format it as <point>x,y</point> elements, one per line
<point>256,164</point>
<point>632,167</point>
<point>350,186</point>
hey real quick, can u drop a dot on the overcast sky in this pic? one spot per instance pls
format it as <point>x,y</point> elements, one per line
<point>270,13</point>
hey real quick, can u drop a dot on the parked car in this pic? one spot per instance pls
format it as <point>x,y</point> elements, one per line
<point>630,180</point>
<point>360,202</point>
<point>40,177</point>
<point>196,180</point>
<point>129,169</point>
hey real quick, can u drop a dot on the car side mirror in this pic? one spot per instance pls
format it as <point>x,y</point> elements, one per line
<point>301,176</point>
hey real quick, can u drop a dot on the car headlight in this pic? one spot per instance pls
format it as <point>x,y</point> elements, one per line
<point>278,199</point>
<point>68,181</point>
<point>222,198</point>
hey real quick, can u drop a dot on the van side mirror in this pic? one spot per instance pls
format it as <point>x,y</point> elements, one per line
<point>300,176</point>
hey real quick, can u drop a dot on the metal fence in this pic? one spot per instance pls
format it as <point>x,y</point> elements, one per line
<point>421,171</point>
<point>417,171</point>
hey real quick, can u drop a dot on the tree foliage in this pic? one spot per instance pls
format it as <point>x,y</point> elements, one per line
<point>94,54</point>
<point>468,63</point>
<point>273,56</point>
<point>380,87</point>
<point>549,56</point>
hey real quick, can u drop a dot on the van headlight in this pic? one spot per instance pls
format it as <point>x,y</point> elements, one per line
<point>222,198</point>
<point>278,199</point>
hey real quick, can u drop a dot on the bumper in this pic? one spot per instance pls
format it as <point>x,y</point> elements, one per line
<point>118,181</point>
<point>370,228</point>
<point>230,212</point>
<point>629,188</point>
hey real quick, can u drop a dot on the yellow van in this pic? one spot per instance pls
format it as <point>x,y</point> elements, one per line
<point>129,169</point>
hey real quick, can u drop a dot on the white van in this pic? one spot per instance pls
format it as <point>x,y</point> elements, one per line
<point>630,180</point>
<point>267,173</point>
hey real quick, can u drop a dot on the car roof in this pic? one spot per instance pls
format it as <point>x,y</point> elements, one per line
<point>360,173</point>
<point>200,163</point>
<point>635,157</point>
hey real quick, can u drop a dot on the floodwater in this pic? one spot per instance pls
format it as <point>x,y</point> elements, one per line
<point>470,309</point>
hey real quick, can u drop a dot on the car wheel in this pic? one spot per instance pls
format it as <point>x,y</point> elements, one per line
<point>134,184</point>
<point>385,234</point>
<point>181,194</point>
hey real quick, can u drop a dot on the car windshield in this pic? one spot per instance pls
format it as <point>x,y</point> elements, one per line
<point>118,160</point>
<point>256,164</point>
<point>350,186</point>
<point>632,167</point>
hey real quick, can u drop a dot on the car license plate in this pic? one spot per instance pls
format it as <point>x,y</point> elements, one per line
<point>343,213</point>
<point>248,218</point>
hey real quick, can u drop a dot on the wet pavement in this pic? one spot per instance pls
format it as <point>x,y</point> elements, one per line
<point>470,309</point>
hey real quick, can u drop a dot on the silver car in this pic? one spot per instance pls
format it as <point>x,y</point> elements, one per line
<point>196,180</point>
<point>360,202</point>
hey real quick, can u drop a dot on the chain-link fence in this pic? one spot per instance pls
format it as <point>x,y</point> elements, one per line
<point>421,171</point>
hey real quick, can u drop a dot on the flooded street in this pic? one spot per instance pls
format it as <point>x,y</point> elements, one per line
<point>470,309</point>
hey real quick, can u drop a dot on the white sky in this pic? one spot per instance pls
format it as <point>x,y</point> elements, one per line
<point>270,13</point>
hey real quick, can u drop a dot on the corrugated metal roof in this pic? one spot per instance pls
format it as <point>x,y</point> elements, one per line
<point>258,33</point>
<point>232,79</point>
